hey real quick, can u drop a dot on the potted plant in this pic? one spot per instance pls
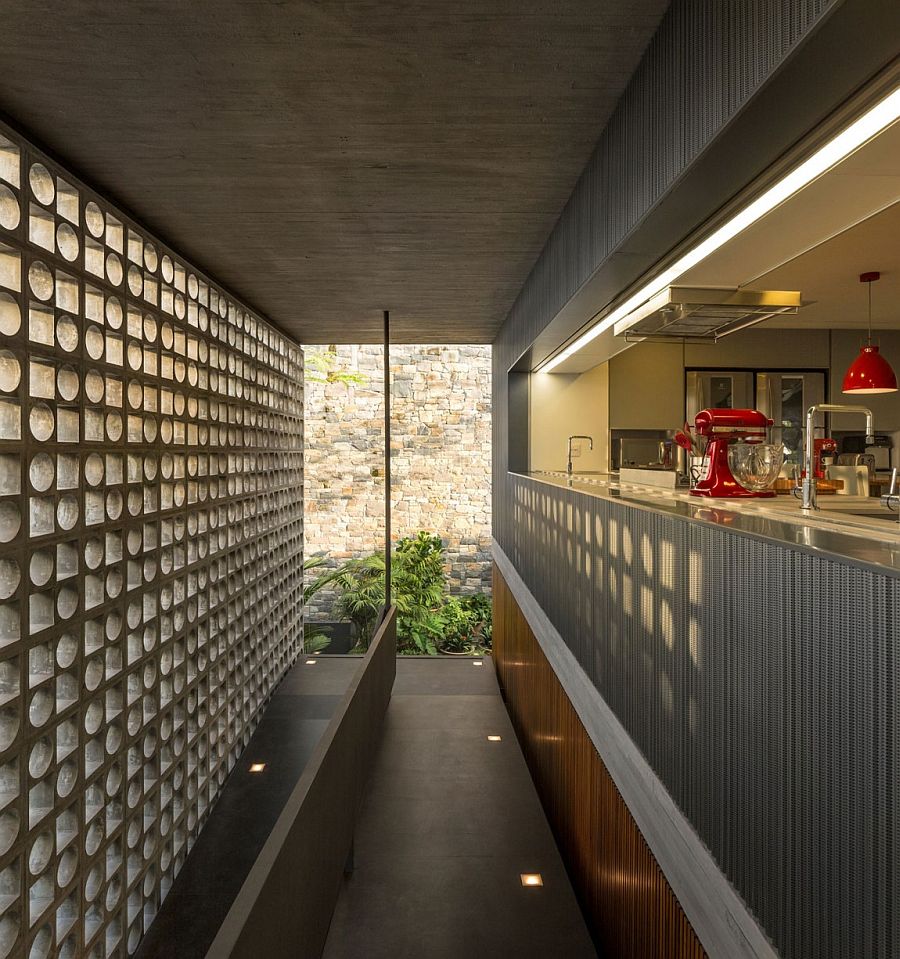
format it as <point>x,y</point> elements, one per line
<point>466,626</point>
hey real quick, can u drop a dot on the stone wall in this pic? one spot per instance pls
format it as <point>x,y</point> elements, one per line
<point>441,426</point>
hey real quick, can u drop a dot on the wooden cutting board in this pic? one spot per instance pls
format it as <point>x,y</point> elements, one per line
<point>783,485</point>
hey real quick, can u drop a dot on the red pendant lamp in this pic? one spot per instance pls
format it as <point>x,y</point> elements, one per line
<point>870,372</point>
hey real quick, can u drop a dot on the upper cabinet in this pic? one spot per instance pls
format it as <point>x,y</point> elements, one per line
<point>646,387</point>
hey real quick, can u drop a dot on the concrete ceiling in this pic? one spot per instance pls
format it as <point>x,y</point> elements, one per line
<point>325,160</point>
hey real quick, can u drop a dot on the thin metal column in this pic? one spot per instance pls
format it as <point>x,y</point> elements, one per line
<point>387,459</point>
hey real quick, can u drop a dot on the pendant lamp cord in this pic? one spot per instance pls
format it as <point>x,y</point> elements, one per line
<point>869,285</point>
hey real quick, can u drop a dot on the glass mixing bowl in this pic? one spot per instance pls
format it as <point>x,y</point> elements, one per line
<point>755,465</point>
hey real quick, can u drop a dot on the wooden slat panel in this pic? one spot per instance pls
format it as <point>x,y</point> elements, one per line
<point>628,902</point>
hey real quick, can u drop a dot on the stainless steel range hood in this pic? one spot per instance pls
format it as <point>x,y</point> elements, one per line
<point>686,312</point>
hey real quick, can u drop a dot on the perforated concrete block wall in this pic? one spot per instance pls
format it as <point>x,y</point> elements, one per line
<point>151,534</point>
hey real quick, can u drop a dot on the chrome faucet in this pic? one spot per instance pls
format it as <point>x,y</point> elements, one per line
<point>590,440</point>
<point>891,499</point>
<point>807,491</point>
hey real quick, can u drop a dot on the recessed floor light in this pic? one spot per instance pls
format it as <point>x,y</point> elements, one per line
<point>311,662</point>
<point>531,879</point>
<point>494,739</point>
<point>257,767</point>
<point>477,662</point>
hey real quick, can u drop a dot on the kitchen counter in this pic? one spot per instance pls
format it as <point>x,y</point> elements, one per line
<point>869,541</point>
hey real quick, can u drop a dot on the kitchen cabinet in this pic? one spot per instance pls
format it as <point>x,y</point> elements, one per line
<point>646,388</point>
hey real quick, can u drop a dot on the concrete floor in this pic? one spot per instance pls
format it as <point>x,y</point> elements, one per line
<point>449,823</point>
<point>247,810</point>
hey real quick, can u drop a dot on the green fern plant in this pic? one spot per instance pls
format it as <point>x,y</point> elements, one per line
<point>466,624</point>
<point>428,620</point>
<point>418,588</point>
<point>361,585</point>
<point>316,638</point>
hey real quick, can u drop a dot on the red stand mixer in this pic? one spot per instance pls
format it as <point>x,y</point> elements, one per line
<point>723,429</point>
<point>823,447</point>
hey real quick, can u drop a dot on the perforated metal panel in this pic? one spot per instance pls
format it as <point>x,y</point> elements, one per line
<point>705,61</point>
<point>150,556</point>
<point>760,682</point>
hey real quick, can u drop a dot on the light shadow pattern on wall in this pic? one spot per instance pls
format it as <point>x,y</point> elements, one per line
<point>150,554</point>
<point>757,680</point>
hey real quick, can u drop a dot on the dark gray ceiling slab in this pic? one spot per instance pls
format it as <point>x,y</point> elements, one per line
<point>326,160</point>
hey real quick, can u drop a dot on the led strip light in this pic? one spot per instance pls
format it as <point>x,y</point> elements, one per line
<point>870,124</point>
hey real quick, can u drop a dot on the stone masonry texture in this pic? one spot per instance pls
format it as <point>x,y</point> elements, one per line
<point>441,458</point>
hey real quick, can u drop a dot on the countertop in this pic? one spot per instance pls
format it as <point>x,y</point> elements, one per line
<point>868,541</point>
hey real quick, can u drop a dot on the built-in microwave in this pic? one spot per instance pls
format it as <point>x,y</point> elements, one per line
<point>644,449</point>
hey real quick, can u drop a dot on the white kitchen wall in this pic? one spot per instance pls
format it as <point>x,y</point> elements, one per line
<point>563,404</point>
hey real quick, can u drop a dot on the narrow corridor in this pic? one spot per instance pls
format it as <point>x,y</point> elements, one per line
<point>450,823</point>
